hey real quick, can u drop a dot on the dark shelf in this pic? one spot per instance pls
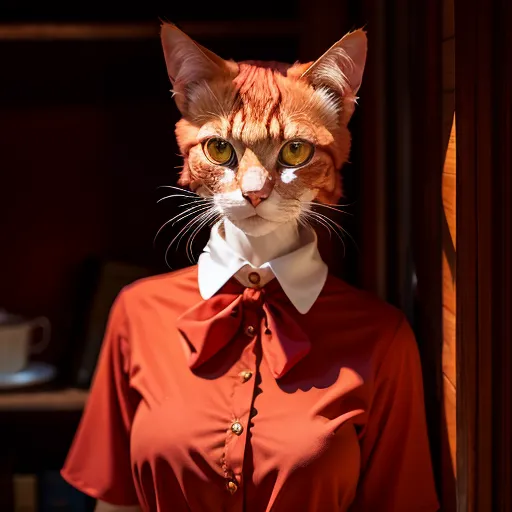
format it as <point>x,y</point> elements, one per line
<point>49,401</point>
<point>54,31</point>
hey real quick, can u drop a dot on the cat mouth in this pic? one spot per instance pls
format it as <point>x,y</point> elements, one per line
<point>255,223</point>
<point>255,217</point>
<point>252,218</point>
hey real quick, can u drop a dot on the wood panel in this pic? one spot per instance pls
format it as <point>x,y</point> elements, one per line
<point>484,241</point>
<point>448,235</point>
<point>449,63</point>
<point>372,115</point>
<point>426,208</point>
<point>450,403</point>
<point>448,20</point>
<point>449,295</point>
<point>449,133</point>
<point>449,352</point>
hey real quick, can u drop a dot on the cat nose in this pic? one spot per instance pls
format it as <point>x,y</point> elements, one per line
<point>256,185</point>
<point>255,198</point>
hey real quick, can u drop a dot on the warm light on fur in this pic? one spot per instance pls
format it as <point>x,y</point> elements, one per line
<point>257,107</point>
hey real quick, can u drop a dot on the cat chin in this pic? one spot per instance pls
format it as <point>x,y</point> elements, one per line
<point>255,225</point>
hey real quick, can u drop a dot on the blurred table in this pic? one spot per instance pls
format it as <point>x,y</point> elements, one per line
<point>36,430</point>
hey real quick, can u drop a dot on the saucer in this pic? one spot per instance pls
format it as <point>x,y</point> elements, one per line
<point>35,373</point>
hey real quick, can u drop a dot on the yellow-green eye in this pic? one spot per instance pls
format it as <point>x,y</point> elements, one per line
<point>219,151</point>
<point>295,153</point>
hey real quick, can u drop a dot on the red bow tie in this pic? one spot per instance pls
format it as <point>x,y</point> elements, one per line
<point>211,324</point>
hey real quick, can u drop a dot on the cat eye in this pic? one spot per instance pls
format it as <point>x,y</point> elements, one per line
<point>295,153</point>
<point>219,151</point>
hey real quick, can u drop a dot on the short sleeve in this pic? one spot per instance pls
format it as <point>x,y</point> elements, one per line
<point>98,462</point>
<point>396,471</point>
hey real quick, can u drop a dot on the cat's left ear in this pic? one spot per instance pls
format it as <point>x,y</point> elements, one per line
<point>340,68</point>
<point>188,63</point>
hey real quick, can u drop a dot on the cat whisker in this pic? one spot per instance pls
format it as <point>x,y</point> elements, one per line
<point>334,226</point>
<point>329,228</point>
<point>319,220</point>
<point>303,221</point>
<point>208,217</point>
<point>195,199</point>
<point>341,228</point>
<point>188,225</point>
<point>188,246</point>
<point>183,190</point>
<point>320,205</point>
<point>331,206</point>
<point>199,200</point>
<point>208,189</point>
<point>190,211</point>
<point>184,229</point>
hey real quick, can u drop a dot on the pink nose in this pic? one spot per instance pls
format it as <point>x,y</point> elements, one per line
<point>255,198</point>
<point>256,185</point>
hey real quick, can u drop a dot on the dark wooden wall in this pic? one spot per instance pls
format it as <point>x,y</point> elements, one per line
<point>483,103</point>
<point>86,139</point>
<point>449,278</point>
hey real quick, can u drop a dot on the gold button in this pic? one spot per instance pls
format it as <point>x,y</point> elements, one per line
<point>250,330</point>
<point>254,278</point>
<point>231,487</point>
<point>237,428</point>
<point>245,375</point>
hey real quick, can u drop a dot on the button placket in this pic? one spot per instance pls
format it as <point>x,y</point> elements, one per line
<point>242,398</point>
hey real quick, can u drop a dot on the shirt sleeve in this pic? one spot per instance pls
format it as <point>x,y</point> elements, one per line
<point>396,470</point>
<point>98,463</point>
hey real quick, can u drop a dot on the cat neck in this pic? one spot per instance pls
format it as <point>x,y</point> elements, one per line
<point>258,250</point>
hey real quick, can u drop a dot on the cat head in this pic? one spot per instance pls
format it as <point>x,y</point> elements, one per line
<point>263,139</point>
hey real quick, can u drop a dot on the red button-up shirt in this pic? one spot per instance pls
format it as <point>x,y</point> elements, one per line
<point>240,403</point>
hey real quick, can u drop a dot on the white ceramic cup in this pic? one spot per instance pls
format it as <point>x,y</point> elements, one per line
<point>16,342</point>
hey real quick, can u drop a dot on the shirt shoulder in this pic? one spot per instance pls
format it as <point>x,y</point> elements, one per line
<point>172,290</point>
<point>354,300</point>
<point>361,316</point>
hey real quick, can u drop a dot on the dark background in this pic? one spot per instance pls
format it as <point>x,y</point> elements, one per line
<point>86,139</point>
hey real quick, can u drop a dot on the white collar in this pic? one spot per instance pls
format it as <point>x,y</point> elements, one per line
<point>301,273</point>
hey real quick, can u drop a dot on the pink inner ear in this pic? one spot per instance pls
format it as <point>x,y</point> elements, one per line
<point>355,46</point>
<point>341,67</point>
<point>188,62</point>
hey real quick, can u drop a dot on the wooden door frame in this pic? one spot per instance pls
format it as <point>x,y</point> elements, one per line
<point>483,47</point>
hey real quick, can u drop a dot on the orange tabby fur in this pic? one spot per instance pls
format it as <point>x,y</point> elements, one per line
<point>257,106</point>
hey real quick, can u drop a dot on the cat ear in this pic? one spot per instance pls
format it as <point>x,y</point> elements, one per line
<point>189,63</point>
<point>341,67</point>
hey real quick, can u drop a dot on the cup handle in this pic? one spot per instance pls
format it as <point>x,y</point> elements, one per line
<point>44,324</point>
